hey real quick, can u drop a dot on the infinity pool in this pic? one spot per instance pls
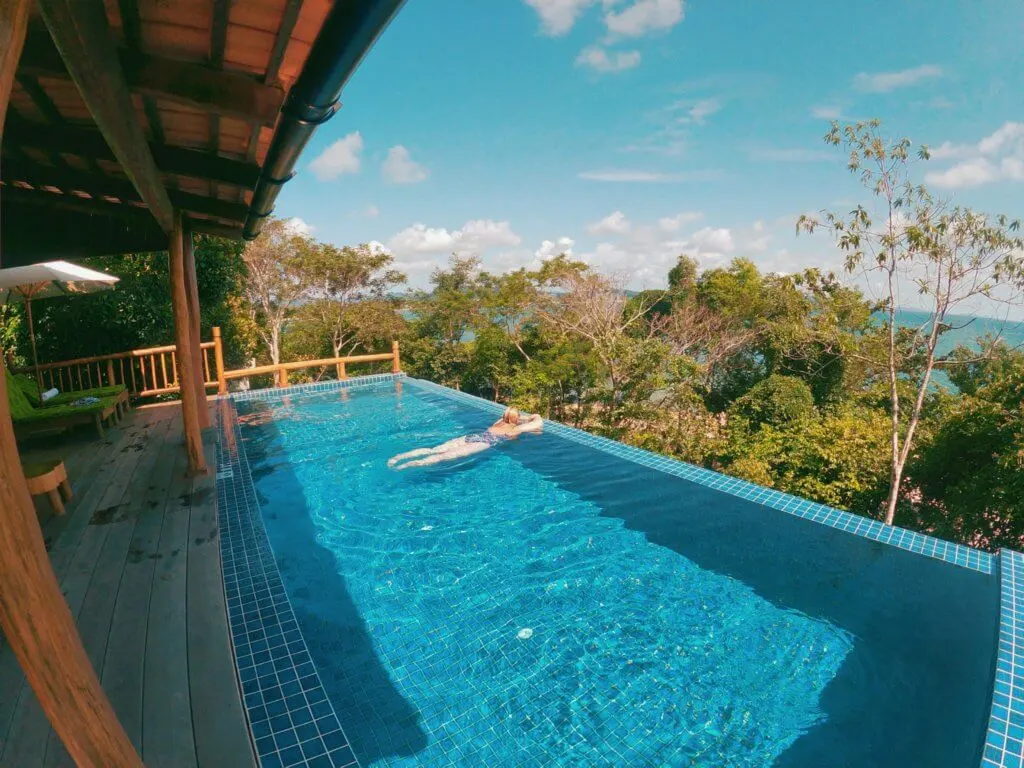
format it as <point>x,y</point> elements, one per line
<point>547,603</point>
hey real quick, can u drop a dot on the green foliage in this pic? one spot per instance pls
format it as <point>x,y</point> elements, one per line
<point>137,312</point>
<point>838,457</point>
<point>971,470</point>
<point>776,402</point>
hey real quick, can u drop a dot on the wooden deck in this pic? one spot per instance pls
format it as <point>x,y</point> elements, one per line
<point>138,560</point>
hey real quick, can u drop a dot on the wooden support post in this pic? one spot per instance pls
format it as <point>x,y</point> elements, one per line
<point>282,377</point>
<point>34,617</point>
<point>342,375</point>
<point>396,361</point>
<point>110,373</point>
<point>218,358</point>
<point>185,358</point>
<point>192,294</point>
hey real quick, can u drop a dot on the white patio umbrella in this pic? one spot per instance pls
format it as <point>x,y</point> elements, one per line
<point>44,281</point>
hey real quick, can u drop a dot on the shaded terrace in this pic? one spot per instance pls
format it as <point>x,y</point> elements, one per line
<point>124,127</point>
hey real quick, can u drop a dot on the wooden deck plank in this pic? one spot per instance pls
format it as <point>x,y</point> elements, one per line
<point>125,661</point>
<point>138,558</point>
<point>167,735</point>
<point>97,611</point>
<point>224,739</point>
<point>81,506</point>
<point>74,564</point>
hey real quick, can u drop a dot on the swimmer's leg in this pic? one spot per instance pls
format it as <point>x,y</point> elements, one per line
<point>411,454</point>
<point>459,451</point>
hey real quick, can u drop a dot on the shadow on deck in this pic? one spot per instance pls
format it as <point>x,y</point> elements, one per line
<point>137,556</point>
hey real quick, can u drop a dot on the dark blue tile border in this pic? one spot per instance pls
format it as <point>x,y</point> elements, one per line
<point>1004,743</point>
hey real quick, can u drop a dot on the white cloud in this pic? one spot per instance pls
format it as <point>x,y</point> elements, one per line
<point>343,156</point>
<point>598,59</point>
<point>629,175</point>
<point>702,110</point>
<point>710,239</point>
<point>372,211</point>
<point>549,249</point>
<point>612,224</point>
<point>997,157</point>
<point>298,226</point>
<point>559,16</point>
<point>645,16</point>
<point>474,237</point>
<point>677,222</point>
<point>826,112</point>
<point>400,168</point>
<point>883,82</point>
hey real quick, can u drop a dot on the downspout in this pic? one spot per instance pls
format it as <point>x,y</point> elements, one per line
<point>349,31</point>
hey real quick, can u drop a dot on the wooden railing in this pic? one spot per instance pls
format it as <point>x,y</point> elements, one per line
<point>144,372</point>
<point>280,370</point>
<point>154,371</point>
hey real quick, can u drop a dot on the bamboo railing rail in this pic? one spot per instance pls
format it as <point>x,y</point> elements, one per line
<point>280,370</point>
<point>153,371</point>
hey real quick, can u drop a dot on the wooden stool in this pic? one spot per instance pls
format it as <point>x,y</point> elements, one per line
<point>47,477</point>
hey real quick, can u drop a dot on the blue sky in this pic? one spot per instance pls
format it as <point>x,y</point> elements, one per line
<point>632,130</point>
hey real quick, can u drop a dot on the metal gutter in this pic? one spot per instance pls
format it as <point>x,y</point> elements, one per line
<point>349,31</point>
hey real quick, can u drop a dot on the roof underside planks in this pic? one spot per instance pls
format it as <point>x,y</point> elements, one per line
<point>205,80</point>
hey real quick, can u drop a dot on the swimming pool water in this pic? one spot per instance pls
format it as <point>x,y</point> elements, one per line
<point>547,603</point>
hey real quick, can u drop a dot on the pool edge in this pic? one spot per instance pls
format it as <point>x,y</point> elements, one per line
<point>1004,739</point>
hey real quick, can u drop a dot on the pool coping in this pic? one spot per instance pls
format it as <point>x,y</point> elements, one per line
<point>1003,746</point>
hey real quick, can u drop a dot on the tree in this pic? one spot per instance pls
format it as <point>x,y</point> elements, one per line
<point>776,401</point>
<point>949,255</point>
<point>276,280</point>
<point>969,473</point>
<point>349,291</point>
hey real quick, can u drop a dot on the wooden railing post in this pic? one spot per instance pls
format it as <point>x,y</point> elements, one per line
<point>218,358</point>
<point>34,616</point>
<point>110,372</point>
<point>342,375</point>
<point>282,377</point>
<point>396,361</point>
<point>185,358</point>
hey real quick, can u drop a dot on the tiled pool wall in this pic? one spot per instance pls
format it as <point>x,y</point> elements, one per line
<point>1004,743</point>
<point>260,612</point>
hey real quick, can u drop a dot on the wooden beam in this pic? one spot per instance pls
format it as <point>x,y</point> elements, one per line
<point>284,35</point>
<point>89,143</point>
<point>192,294</point>
<point>208,88</point>
<point>83,37</point>
<point>34,616</point>
<point>185,357</point>
<point>208,227</point>
<point>69,179</point>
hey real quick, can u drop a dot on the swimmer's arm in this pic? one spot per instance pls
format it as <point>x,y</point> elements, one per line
<point>533,424</point>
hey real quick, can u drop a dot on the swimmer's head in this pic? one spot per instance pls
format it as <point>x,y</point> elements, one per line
<point>511,416</point>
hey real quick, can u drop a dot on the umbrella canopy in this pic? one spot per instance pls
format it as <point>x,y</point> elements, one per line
<point>52,278</point>
<point>46,280</point>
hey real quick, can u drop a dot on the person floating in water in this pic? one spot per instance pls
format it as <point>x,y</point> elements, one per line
<point>509,426</point>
